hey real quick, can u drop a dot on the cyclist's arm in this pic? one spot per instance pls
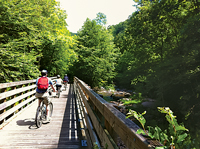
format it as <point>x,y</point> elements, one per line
<point>51,84</point>
<point>37,81</point>
<point>52,87</point>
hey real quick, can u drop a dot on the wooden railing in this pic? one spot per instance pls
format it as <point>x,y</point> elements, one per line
<point>14,97</point>
<point>104,125</point>
<point>101,122</point>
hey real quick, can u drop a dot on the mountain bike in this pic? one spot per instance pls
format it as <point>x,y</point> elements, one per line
<point>65,82</point>
<point>58,93</point>
<point>41,114</point>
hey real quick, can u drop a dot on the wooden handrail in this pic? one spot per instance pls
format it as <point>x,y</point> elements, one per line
<point>14,97</point>
<point>11,84</point>
<point>108,122</point>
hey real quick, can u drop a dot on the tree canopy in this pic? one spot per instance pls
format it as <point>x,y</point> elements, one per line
<point>154,52</point>
<point>97,54</point>
<point>32,33</point>
<point>160,55</point>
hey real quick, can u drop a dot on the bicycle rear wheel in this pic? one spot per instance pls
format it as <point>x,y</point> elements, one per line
<point>58,92</point>
<point>50,109</point>
<point>65,86</point>
<point>38,117</point>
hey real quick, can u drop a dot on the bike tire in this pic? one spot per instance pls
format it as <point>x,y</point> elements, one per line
<point>50,109</point>
<point>65,87</point>
<point>58,92</point>
<point>38,117</point>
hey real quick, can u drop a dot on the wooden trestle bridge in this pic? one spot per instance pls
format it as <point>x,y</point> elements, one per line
<point>81,120</point>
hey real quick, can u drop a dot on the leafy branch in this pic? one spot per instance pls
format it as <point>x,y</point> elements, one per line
<point>175,131</point>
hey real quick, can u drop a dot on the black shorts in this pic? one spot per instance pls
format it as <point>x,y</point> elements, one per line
<point>57,86</point>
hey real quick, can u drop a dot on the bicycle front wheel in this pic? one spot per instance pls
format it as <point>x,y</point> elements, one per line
<point>58,92</point>
<point>38,118</point>
<point>50,109</point>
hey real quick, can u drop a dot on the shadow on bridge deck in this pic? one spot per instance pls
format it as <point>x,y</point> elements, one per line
<point>62,132</point>
<point>70,133</point>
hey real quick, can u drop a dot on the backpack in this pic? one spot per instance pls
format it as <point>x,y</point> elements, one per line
<point>43,83</point>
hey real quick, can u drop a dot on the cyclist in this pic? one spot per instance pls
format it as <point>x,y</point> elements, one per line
<point>43,83</point>
<point>59,82</point>
<point>66,80</point>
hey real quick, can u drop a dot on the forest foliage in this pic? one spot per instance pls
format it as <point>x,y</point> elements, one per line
<point>97,53</point>
<point>160,56</point>
<point>154,52</point>
<point>33,36</point>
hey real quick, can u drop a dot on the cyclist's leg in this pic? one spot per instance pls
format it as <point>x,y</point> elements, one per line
<point>38,116</point>
<point>60,86</point>
<point>46,102</point>
<point>56,88</point>
<point>40,98</point>
<point>58,91</point>
<point>65,83</point>
<point>45,99</point>
<point>39,102</point>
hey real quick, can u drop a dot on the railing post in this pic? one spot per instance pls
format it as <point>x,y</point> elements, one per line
<point>21,99</point>
<point>5,99</point>
<point>13,88</point>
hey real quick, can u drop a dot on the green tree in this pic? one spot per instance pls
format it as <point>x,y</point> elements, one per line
<point>29,32</point>
<point>118,32</point>
<point>19,39</point>
<point>101,19</point>
<point>96,54</point>
<point>57,53</point>
<point>161,57</point>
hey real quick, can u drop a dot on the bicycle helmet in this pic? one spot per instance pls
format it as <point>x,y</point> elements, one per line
<point>58,76</point>
<point>43,72</point>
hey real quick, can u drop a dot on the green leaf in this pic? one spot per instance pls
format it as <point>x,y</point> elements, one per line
<point>163,137</point>
<point>178,128</point>
<point>181,137</point>
<point>162,147</point>
<point>157,133</point>
<point>151,131</point>
<point>140,131</point>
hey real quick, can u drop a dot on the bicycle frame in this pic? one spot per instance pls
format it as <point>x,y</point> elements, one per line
<point>65,85</point>
<point>41,114</point>
<point>59,88</point>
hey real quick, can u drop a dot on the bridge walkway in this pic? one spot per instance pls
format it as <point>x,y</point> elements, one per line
<point>62,132</point>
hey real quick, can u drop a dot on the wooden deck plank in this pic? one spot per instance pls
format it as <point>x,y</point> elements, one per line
<point>61,132</point>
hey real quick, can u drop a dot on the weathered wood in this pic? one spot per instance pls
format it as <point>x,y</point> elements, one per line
<point>61,132</point>
<point>84,129</point>
<point>90,129</point>
<point>11,84</point>
<point>16,91</point>
<point>20,92</point>
<point>114,119</point>
<point>98,128</point>
<point>16,99</point>
<point>12,110</point>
